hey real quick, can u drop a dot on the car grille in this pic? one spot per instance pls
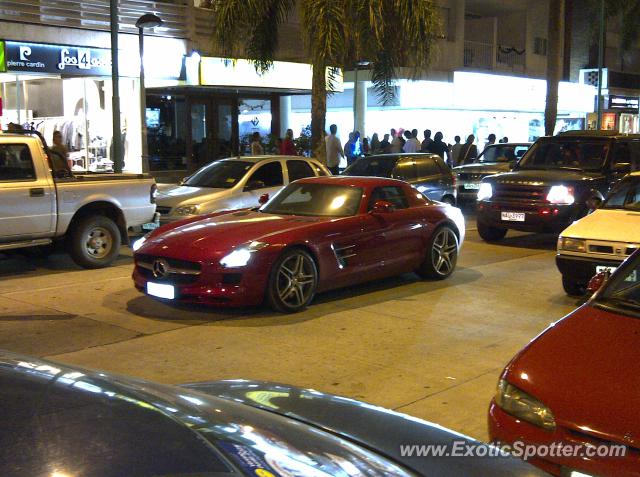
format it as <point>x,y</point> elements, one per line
<point>592,440</point>
<point>611,249</point>
<point>519,193</point>
<point>162,210</point>
<point>176,271</point>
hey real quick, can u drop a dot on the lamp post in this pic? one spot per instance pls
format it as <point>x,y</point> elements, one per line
<point>116,142</point>
<point>359,64</point>
<point>148,20</point>
<point>601,38</point>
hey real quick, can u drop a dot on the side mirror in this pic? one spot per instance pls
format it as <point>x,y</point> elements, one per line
<point>382,207</point>
<point>593,203</point>
<point>597,282</point>
<point>253,185</point>
<point>264,198</point>
<point>622,168</point>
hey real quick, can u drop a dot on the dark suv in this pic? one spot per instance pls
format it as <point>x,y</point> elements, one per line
<point>556,182</point>
<point>426,172</point>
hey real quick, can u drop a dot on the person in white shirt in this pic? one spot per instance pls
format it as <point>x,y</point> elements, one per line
<point>334,150</point>
<point>412,145</point>
<point>256,145</point>
<point>455,152</point>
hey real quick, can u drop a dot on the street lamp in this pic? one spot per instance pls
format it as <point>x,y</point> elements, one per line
<point>148,20</point>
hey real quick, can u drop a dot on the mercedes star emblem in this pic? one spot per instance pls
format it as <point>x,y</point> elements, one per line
<point>160,268</point>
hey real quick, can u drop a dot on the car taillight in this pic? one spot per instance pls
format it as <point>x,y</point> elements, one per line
<point>153,193</point>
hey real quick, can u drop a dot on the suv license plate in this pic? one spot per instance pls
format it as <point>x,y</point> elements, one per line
<point>512,216</point>
<point>470,186</point>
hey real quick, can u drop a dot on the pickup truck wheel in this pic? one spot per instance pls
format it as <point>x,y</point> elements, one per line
<point>491,234</point>
<point>94,242</point>
<point>571,287</point>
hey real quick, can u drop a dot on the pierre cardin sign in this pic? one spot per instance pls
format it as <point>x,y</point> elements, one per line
<point>57,59</point>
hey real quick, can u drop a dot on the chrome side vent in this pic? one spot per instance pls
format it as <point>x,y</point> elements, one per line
<point>343,253</point>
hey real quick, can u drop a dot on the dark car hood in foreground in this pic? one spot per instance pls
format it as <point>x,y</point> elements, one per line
<point>483,168</point>
<point>585,369</point>
<point>370,426</point>
<point>71,419</point>
<point>222,232</point>
<point>543,176</point>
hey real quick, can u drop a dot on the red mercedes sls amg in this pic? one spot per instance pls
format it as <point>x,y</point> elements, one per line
<point>316,234</point>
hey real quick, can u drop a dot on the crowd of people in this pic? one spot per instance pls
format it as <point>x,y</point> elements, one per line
<point>395,142</point>
<point>402,141</point>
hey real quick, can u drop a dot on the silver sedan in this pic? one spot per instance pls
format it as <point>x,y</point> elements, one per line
<point>233,183</point>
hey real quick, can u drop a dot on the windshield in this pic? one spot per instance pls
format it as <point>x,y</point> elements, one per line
<point>572,155</point>
<point>501,153</point>
<point>219,174</point>
<point>372,166</point>
<point>626,195</point>
<point>315,200</point>
<point>623,289</point>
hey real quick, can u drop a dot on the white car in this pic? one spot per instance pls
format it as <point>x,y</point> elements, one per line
<point>603,239</point>
<point>233,183</point>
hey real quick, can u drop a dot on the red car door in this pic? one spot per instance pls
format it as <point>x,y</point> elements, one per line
<point>392,242</point>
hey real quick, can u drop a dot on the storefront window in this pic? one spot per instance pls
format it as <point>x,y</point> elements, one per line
<point>254,115</point>
<point>166,132</point>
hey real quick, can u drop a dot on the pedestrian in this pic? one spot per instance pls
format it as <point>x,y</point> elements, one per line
<point>349,149</point>
<point>491,139</point>
<point>439,147</point>
<point>424,147</point>
<point>504,140</point>
<point>288,147</point>
<point>375,144</point>
<point>455,152</point>
<point>396,142</point>
<point>412,144</point>
<point>366,150</point>
<point>256,145</point>
<point>61,159</point>
<point>334,150</point>
<point>469,151</point>
<point>385,145</point>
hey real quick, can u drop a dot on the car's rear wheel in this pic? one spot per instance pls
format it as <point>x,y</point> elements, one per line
<point>293,281</point>
<point>491,234</point>
<point>442,254</point>
<point>571,287</point>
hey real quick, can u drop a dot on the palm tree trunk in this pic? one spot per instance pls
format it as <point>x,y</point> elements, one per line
<point>318,112</point>
<point>554,63</point>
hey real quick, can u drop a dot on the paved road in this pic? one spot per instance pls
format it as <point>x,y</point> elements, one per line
<point>430,349</point>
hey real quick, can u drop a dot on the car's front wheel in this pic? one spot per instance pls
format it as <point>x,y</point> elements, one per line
<point>491,234</point>
<point>292,282</point>
<point>571,287</point>
<point>442,254</point>
<point>94,242</point>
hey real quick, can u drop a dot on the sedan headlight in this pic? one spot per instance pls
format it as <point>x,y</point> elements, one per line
<point>572,244</point>
<point>519,404</point>
<point>187,210</point>
<point>485,192</point>
<point>241,255</point>
<point>561,195</point>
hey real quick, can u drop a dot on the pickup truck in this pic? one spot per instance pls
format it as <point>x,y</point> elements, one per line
<point>556,183</point>
<point>42,202</point>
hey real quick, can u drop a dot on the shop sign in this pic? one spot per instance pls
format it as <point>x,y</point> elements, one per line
<point>624,104</point>
<point>57,59</point>
<point>3,66</point>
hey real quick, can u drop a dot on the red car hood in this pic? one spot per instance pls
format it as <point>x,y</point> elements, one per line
<point>585,369</point>
<point>221,233</point>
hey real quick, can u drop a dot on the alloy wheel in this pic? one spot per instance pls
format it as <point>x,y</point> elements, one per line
<point>99,242</point>
<point>444,251</point>
<point>296,280</point>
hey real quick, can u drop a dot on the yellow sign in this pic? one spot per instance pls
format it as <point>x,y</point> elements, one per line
<point>264,473</point>
<point>3,64</point>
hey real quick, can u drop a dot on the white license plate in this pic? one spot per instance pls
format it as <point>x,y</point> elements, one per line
<point>575,473</point>
<point>471,186</point>
<point>601,268</point>
<point>512,216</point>
<point>150,226</point>
<point>161,290</point>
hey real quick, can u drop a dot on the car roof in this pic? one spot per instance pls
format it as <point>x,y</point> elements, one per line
<point>399,154</point>
<point>256,159</point>
<point>353,181</point>
<point>595,134</point>
<point>512,144</point>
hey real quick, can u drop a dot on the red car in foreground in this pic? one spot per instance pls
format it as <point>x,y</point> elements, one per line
<point>577,386</point>
<point>314,235</point>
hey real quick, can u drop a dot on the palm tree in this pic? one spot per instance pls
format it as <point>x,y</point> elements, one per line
<point>388,34</point>
<point>554,63</point>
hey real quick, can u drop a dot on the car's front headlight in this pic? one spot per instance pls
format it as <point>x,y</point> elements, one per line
<point>485,192</point>
<point>572,244</point>
<point>519,404</point>
<point>561,195</point>
<point>187,210</point>
<point>241,255</point>
<point>135,246</point>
